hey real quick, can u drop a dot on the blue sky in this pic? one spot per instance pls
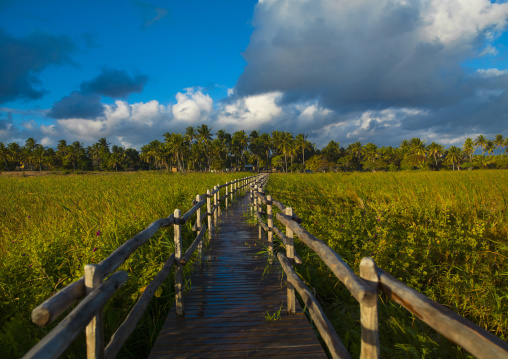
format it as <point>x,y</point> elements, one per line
<point>371,70</point>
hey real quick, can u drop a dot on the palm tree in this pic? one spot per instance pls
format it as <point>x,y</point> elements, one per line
<point>204,136</point>
<point>499,141</point>
<point>240,142</point>
<point>490,147</point>
<point>178,146</point>
<point>285,146</point>
<point>435,150</point>
<point>4,154</point>
<point>38,155</point>
<point>301,142</point>
<point>481,141</point>
<point>454,156</point>
<point>74,152</point>
<point>468,148</point>
<point>190,134</point>
<point>370,152</point>
<point>14,153</point>
<point>28,150</point>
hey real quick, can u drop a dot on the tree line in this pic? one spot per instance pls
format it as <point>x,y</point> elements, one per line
<point>198,149</point>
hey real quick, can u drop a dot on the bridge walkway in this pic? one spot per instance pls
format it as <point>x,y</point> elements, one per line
<point>230,299</point>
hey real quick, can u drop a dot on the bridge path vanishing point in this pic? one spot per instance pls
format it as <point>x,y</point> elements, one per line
<point>225,309</point>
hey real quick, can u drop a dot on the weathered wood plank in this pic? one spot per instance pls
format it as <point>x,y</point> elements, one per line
<point>55,305</point>
<point>341,269</point>
<point>369,314</point>
<point>125,330</point>
<point>317,314</point>
<point>459,330</point>
<point>55,343</point>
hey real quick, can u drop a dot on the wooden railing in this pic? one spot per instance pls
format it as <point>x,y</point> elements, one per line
<point>364,288</point>
<point>95,291</point>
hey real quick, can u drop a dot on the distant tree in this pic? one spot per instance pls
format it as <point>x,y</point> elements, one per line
<point>435,150</point>
<point>468,148</point>
<point>454,156</point>
<point>481,141</point>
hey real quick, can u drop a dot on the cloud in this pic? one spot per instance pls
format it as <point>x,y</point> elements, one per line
<point>86,103</point>
<point>151,13</point>
<point>77,105</point>
<point>192,106</point>
<point>114,83</point>
<point>22,59</point>
<point>250,112</point>
<point>342,63</point>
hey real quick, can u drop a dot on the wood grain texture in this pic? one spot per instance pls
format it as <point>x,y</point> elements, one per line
<point>459,330</point>
<point>317,314</point>
<point>55,343</point>
<point>362,292</point>
<point>226,308</point>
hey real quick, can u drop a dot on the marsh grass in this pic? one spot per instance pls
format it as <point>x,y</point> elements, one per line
<point>442,233</point>
<point>51,226</point>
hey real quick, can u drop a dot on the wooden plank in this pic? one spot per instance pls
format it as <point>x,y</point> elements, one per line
<point>54,344</point>
<point>227,305</point>
<point>341,269</point>
<point>369,314</point>
<point>459,330</point>
<point>317,314</point>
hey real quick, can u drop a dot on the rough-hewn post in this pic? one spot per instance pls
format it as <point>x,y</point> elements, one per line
<point>227,194</point>
<point>269,216</point>
<point>178,270</point>
<point>209,210</point>
<point>95,329</point>
<point>215,217</point>
<point>251,199</point>
<point>199,225</point>
<point>290,254</point>
<point>233,185</point>
<point>218,200</point>
<point>369,314</point>
<point>260,211</point>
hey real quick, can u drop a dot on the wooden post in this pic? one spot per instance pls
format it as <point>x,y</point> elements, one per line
<point>231,191</point>
<point>178,270</point>
<point>290,254</point>
<point>227,195</point>
<point>218,200</point>
<point>209,210</point>
<point>369,314</point>
<point>215,216</point>
<point>260,211</point>
<point>269,215</point>
<point>199,225</point>
<point>95,329</point>
<point>251,199</point>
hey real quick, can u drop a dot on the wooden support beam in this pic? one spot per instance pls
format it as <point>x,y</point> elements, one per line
<point>179,270</point>
<point>94,329</point>
<point>317,314</point>
<point>269,216</point>
<point>361,291</point>
<point>369,314</point>
<point>209,211</point>
<point>54,344</point>
<point>290,254</point>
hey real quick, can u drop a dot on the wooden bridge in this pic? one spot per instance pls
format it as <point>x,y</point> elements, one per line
<point>233,296</point>
<point>241,303</point>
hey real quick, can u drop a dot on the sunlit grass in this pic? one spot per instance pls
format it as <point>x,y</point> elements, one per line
<point>51,226</point>
<point>444,234</point>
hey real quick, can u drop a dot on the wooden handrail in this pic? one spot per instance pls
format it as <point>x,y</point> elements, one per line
<point>322,323</point>
<point>127,327</point>
<point>459,330</point>
<point>362,292</point>
<point>99,292</point>
<point>55,343</point>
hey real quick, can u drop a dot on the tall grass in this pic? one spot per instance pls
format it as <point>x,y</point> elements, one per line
<point>444,234</point>
<point>51,226</point>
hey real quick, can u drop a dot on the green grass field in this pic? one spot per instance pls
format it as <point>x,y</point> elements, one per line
<point>442,233</point>
<point>51,226</point>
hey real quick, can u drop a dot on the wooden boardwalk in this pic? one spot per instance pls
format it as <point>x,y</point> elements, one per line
<point>226,308</point>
